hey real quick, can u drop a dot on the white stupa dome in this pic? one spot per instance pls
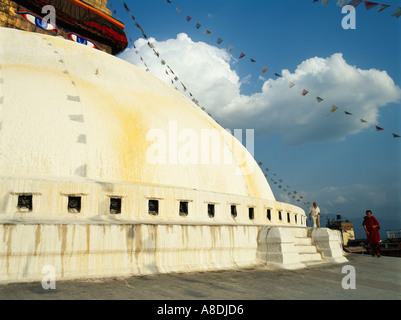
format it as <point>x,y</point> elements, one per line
<point>70,110</point>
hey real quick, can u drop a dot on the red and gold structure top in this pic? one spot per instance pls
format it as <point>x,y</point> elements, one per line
<point>88,22</point>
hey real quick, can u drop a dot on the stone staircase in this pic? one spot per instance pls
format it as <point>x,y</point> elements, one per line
<point>298,247</point>
<point>308,252</point>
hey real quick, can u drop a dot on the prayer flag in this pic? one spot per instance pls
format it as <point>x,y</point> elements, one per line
<point>252,60</point>
<point>319,99</point>
<point>198,26</point>
<point>291,84</point>
<point>362,120</point>
<point>382,7</point>
<point>277,75</point>
<point>189,18</point>
<point>397,12</point>
<point>346,112</point>
<point>333,108</point>
<point>396,135</point>
<point>208,32</point>
<point>126,7</point>
<point>324,2</point>
<point>378,128</point>
<point>264,69</point>
<point>178,10</point>
<point>230,48</point>
<point>342,3</point>
<point>241,55</point>
<point>355,3</point>
<point>219,40</point>
<point>369,5</point>
<point>168,1</point>
<point>304,92</point>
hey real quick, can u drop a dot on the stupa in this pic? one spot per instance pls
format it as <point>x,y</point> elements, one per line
<point>107,171</point>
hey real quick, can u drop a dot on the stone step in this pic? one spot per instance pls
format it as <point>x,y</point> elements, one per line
<point>300,232</point>
<point>306,249</point>
<point>310,257</point>
<point>303,241</point>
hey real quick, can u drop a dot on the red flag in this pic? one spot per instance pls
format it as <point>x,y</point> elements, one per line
<point>378,128</point>
<point>369,5</point>
<point>189,18</point>
<point>304,92</point>
<point>241,55</point>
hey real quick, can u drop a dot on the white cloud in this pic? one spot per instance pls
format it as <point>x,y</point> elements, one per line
<point>206,71</point>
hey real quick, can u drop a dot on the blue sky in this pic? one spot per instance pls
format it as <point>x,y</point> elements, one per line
<point>344,165</point>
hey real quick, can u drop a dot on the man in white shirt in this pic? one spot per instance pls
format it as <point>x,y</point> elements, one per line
<point>315,212</point>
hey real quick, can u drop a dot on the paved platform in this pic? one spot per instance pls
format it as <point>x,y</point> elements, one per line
<point>375,278</point>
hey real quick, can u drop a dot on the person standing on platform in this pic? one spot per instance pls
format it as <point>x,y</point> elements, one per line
<point>314,211</point>
<point>372,227</point>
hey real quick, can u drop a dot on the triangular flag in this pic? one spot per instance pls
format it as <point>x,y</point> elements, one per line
<point>397,12</point>
<point>219,40</point>
<point>178,10</point>
<point>362,120</point>
<point>230,48</point>
<point>277,75</point>
<point>333,108</point>
<point>291,84</point>
<point>264,69</point>
<point>208,32</point>
<point>346,112</point>
<point>342,3</point>
<point>252,60</point>
<point>355,3</point>
<point>198,26</point>
<point>241,55</point>
<point>382,7</point>
<point>324,2</point>
<point>378,128</point>
<point>396,135</point>
<point>369,5</point>
<point>319,99</point>
<point>304,92</point>
<point>189,18</point>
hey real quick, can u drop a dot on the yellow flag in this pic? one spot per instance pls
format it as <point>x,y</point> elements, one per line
<point>333,108</point>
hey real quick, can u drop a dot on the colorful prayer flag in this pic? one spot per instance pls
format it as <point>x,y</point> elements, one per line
<point>230,48</point>
<point>189,18</point>
<point>324,2</point>
<point>264,69</point>
<point>333,108</point>
<point>382,7</point>
<point>369,5</point>
<point>355,3</point>
<point>342,3</point>
<point>291,84</point>
<point>319,99</point>
<point>396,135</point>
<point>277,75</point>
<point>379,129</point>
<point>346,112</point>
<point>198,26</point>
<point>241,55</point>
<point>219,40</point>
<point>362,120</point>
<point>304,92</point>
<point>208,32</point>
<point>397,12</point>
<point>252,60</point>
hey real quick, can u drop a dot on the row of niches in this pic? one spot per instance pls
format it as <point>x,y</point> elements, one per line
<point>115,204</point>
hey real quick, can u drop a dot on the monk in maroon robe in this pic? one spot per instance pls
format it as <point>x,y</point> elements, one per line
<point>372,227</point>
